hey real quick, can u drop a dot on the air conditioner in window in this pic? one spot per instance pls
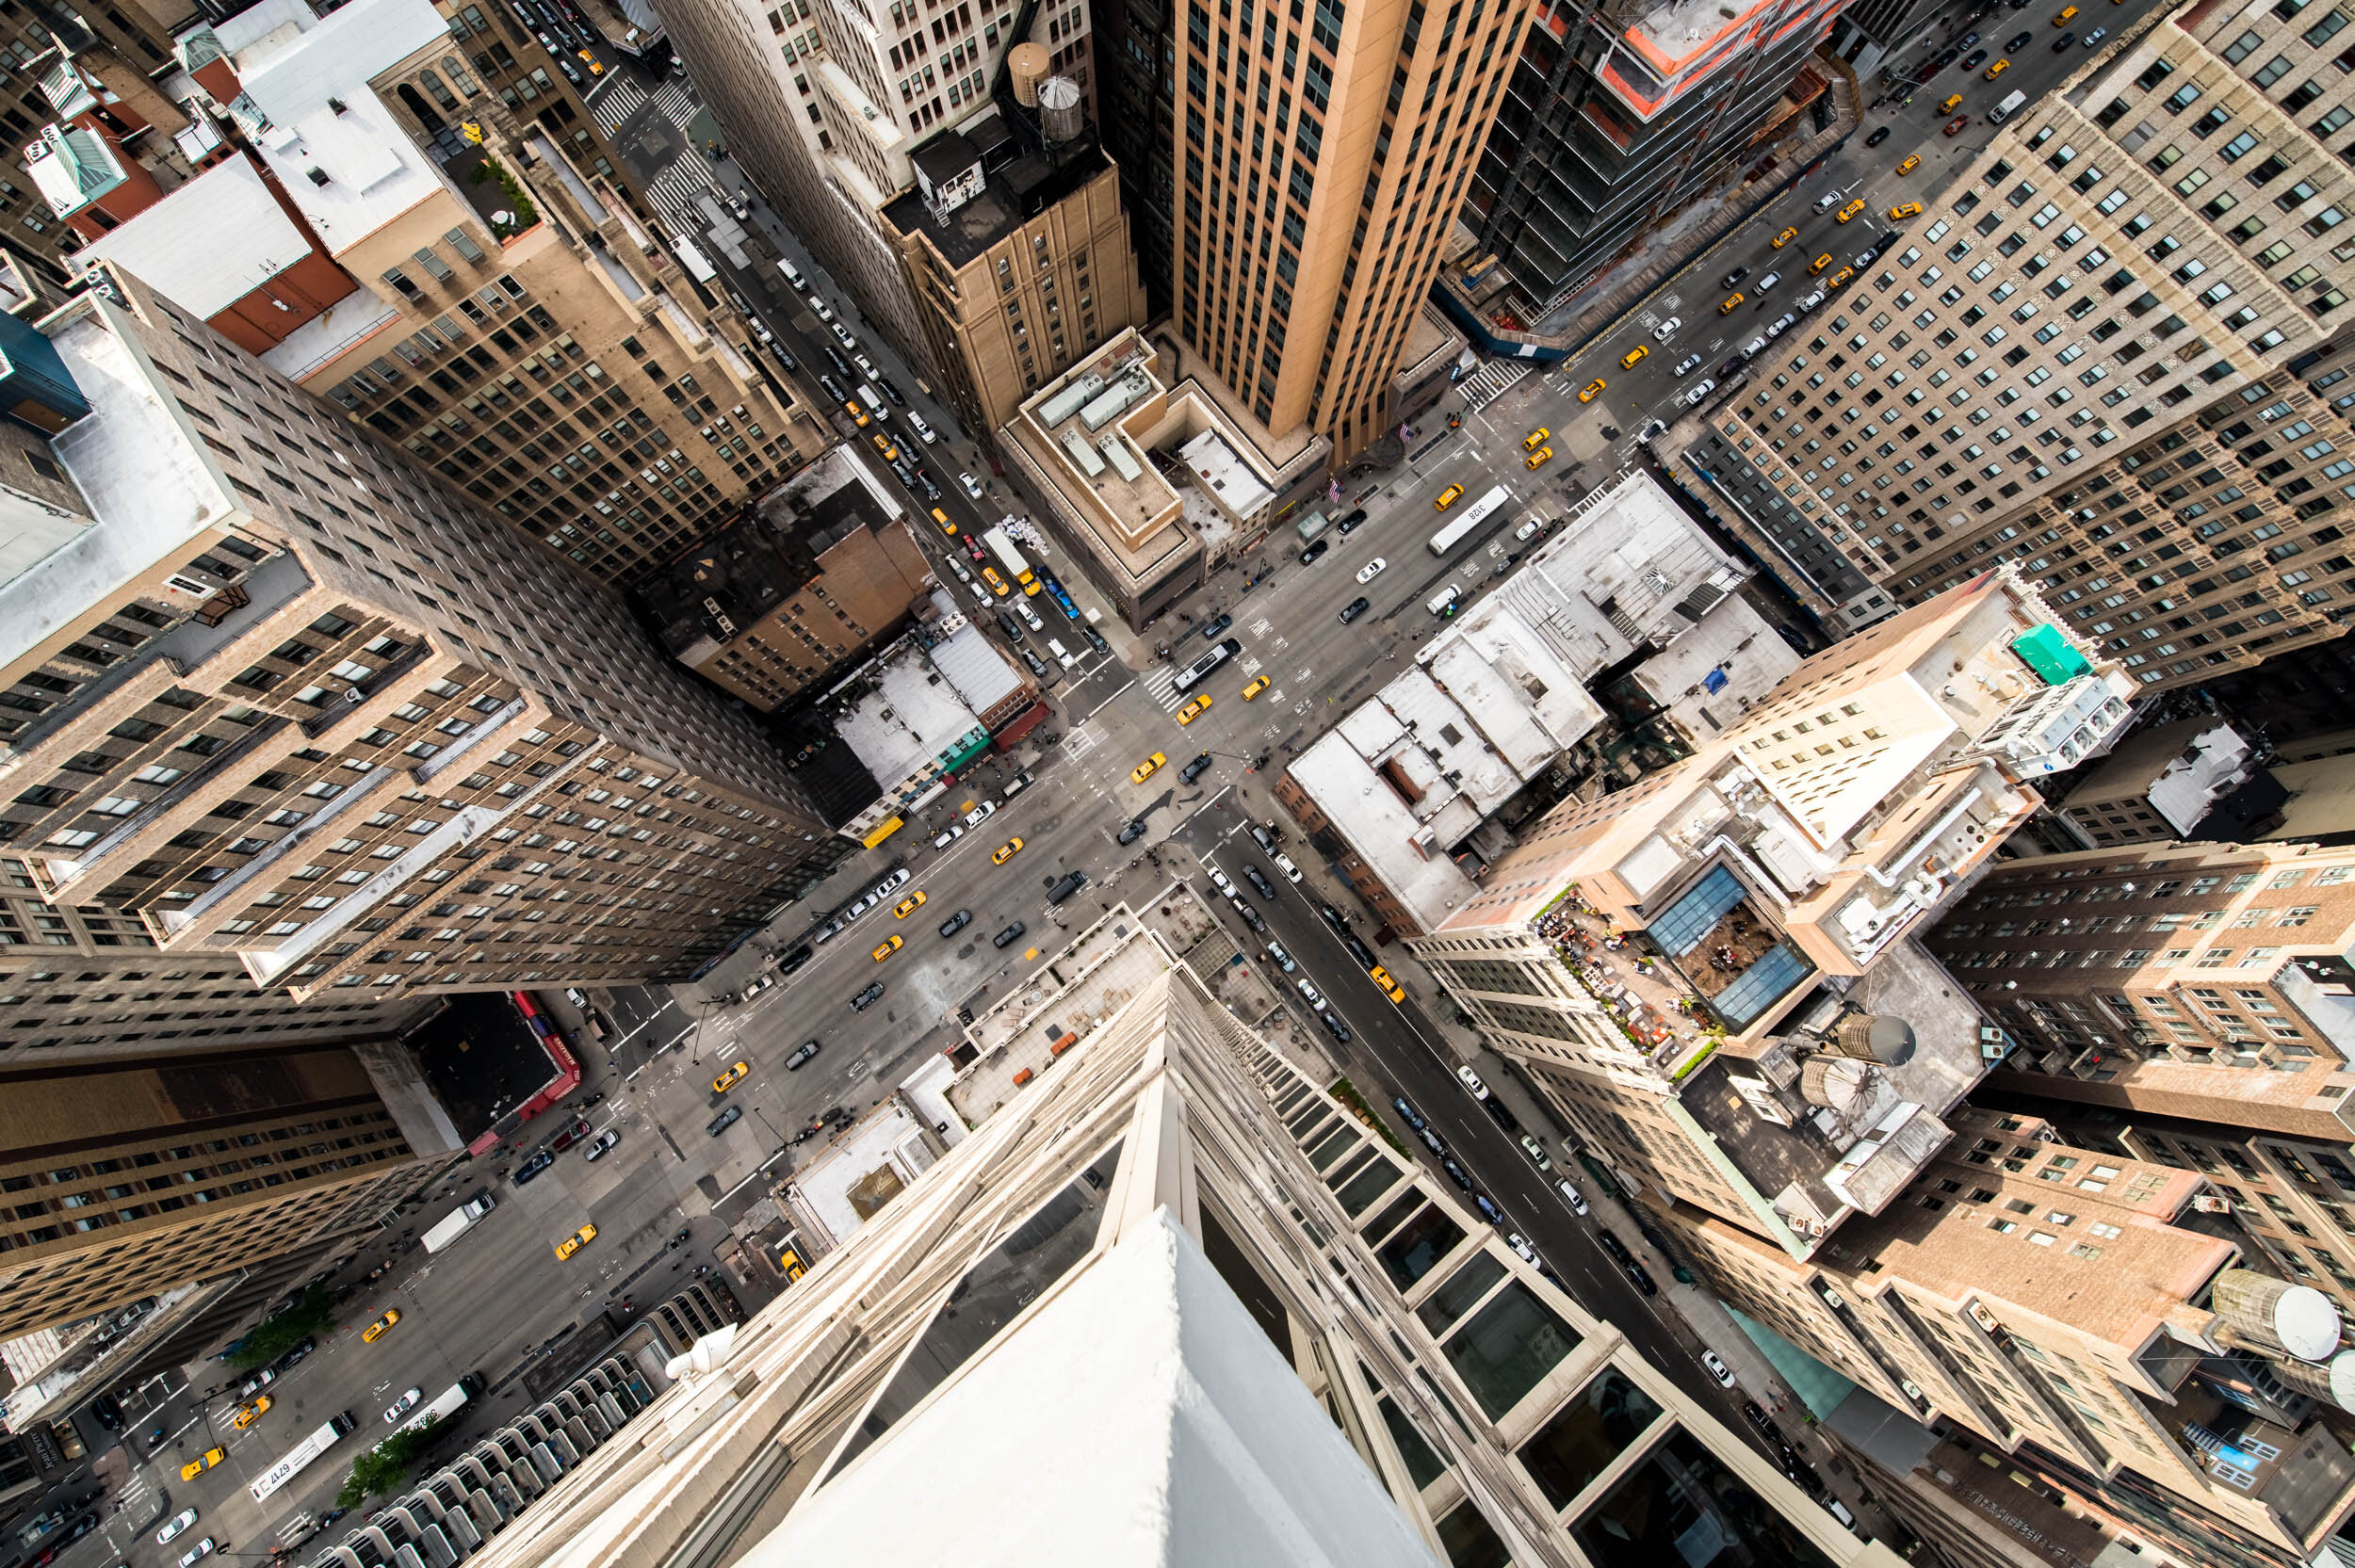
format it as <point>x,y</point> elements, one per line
<point>353,695</point>
<point>192,587</point>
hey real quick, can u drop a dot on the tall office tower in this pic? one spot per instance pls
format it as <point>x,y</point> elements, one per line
<point>1620,116</point>
<point>1259,1334</point>
<point>347,728</point>
<point>1136,89</point>
<point>382,228</point>
<point>1325,156</point>
<point>136,1176</point>
<point>1777,877</point>
<point>2084,1318</point>
<point>2100,351</point>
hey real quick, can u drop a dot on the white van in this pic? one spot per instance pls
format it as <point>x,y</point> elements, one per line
<point>1064,657</point>
<point>792,274</point>
<point>915,422</point>
<point>874,402</point>
<point>1441,602</point>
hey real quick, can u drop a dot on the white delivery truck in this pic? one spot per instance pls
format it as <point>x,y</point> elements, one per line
<point>458,1221</point>
<point>2005,109</point>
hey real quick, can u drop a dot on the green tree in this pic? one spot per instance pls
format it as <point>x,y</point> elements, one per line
<point>382,1469</point>
<point>274,1336</point>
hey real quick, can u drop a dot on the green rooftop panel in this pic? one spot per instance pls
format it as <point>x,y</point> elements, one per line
<point>2049,653</point>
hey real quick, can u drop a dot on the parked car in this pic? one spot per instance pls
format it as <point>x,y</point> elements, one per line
<point>1472,1081</point>
<point>1013,932</point>
<point>1572,1196</point>
<point>403,1405</point>
<point>1717,1369</point>
<point>1407,1114</point>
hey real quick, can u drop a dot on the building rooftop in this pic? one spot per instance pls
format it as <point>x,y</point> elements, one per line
<point>351,320</point>
<point>980,675</point>
<point>904,717</point>
<point>2321,804</point>
<point>337,151</point>
<point>2183,770</point>
<point>868,1164</point>
<point>1082,421</point>
<point>1017,185</point>
<point>1625,568</point>
<point>209,243</point>
<point>727,582</point>
<point>1375,821</point>
<point>1075,990</point>
<point>1709,678</point>
<point>150,485</point>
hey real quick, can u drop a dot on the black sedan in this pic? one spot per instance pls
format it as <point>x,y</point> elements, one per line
<point>1315,553</point>
<point>1349,524</point>
<point>868,997</point>
<point>2013,45</point>
<point>1355,608</point>
<point>1733,277</point>
<point>1216,625</point>
<point>956,922</point>
<point>1877,137</point>
<point>2062,44</point>
<point>1978,58</point>
<point>803,1052</point>
<point>1134,831</point>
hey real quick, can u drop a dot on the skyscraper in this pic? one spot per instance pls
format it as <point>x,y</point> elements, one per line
<point>2105,351</point>
<point>1325,152</point>
<point>1620,116</point>
<point>128,1178</point>
<point>349,728</point>
<point>434,250</point>
<point>2085,1316</point>
<point>1160,1249</point>
<point>1767,1042</point>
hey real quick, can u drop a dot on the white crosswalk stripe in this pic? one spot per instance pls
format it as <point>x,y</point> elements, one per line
<point>671,100</point>
<point>1161,682</point>
<point>616,103</point>
<point>675,189</point>
<point>1486,384</point>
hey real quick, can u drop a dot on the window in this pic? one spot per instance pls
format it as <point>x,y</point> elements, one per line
<point>1586,1436</point>
<point>1508,1348</point>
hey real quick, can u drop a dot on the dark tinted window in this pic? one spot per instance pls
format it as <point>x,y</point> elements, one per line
<point>1680,1505</point>
<point>1507,1347</point>
<point>1426,1238</point>
<point>1587,1436</point>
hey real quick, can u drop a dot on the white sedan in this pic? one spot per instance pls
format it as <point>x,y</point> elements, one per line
<point>1372,570</point>
<point>403,1405</point>
<point>972,486</point>
<point>1667,329</point>
<point>842,335</point>
<point>1717,1369</point>
<point>178,1521</point>
<point>1701,391</point>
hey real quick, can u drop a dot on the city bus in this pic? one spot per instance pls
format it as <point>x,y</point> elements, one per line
<point>447,1403</point>
<point>304,1452</point>
<point>1001,545</point>
<point>1478,512</point>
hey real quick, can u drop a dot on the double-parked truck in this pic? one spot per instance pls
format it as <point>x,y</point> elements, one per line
<point>461,1220</point>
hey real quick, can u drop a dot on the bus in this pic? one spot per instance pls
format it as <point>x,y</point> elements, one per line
<point>447,1403</point>
<point>304,1452</point>
<point>1478,512</point>
<point>1001,545</point>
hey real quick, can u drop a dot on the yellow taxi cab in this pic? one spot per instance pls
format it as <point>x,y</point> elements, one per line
<point>1849,211</point>
<point>891,945</point>
<point>1819,264</point>
<point>203,1463</point>
<point>1390,988</point>
<point>1733,302</point>
<point>1538,458</point>
<point>946,526</point>
<point>1627,361</point>
<point>1535,439</point>
<point>2061,17</point>
<point>908,905</point>
<point>1254,689</point>
<point>884,446</point>
<point>1194,709</point>
<point>858,415</point>
<point>730,1078</point>
<point>1905,209</point>
<point>575,1242</point>
<point>247,1415</point>
<point>1843,275</point>
<point>1012,848</point>
<point>789,1264</point>
<point>1144,770</point>
<point>1948,105</point>
<point>591,61</point>
<point>1593,389</point>
<point>1784,238</point>
<point>376,1330</point>
<point>1914,161</point>
<point>997,583</point>
<point>1449,496</point>
<point>1996,69</point>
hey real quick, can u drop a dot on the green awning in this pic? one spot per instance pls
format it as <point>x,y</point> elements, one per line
<point>2050,654</point>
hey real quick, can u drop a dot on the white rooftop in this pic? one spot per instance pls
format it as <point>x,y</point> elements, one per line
<point>1709,677</point>
<point>350,320</point>
<point>208,244</point>
<point>290,64</point>
<point>968,661</point>
<point>1376,820</point>
<point>1220,471</point>
<point>1183,1441</point>
<point>905,720</point>
<point>151,487</point>
<point>862,1171</point>
<point>1626,567</point>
